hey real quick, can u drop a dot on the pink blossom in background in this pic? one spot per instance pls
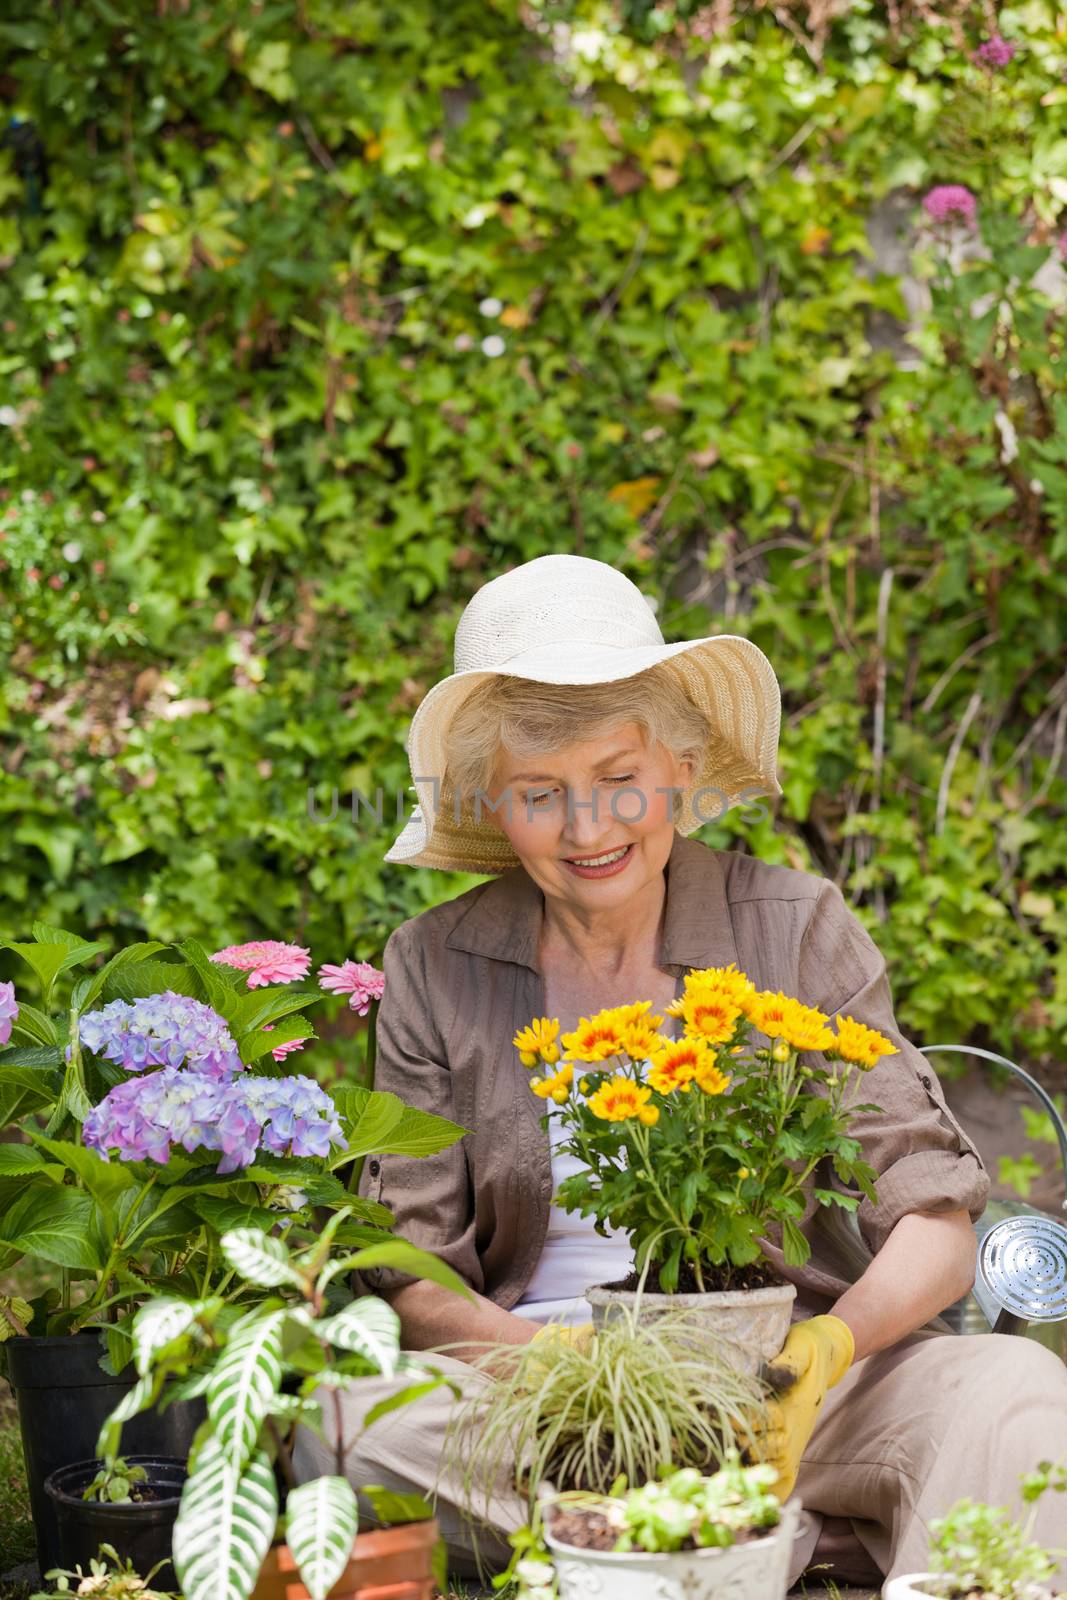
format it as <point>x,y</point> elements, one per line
<point>357,979</point>
<point>283,1050</point>
<point>266,961</point>
<point>996,52</point>
<point>951,199</point>
<point>9,1010</point>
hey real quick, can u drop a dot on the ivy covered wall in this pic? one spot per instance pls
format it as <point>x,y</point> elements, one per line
<point>316,313</point>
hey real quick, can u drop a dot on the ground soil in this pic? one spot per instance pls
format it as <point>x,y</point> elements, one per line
<point>717,1280</point>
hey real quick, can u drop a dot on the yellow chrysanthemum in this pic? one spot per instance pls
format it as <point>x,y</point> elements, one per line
<point>556,1087</point>
<point>619,1099</point>
<point>711,1080</point>
<point>677,1064</point>
<point>538,1041</point>
<point>596,1038</point>
<point>709,1012</point>
<point>637,1012</point>
<point>639,1039</point>
<point>859,1044</point>
<point>781,1017</point>
<point>738,985</point>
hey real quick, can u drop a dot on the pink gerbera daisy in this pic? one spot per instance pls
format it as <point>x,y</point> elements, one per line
<point>357,979</point>
<point>266,961</point>
<point>283,1050</point>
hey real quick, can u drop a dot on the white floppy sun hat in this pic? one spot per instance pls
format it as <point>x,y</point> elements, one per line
<point>567,619</point>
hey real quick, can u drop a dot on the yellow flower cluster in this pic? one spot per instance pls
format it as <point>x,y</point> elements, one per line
<point>716,1004</point>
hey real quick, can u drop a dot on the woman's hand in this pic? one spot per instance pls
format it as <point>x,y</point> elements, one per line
<point>926,1264</point>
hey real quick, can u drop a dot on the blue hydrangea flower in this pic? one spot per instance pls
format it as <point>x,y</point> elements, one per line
<point>162,1030</point>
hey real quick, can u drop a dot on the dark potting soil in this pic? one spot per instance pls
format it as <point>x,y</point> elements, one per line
<point>588,1529</point>
<point>717,1280</point>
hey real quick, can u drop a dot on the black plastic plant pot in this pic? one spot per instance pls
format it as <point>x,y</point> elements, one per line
<point>140,1530</point>
<point>64,1396</point>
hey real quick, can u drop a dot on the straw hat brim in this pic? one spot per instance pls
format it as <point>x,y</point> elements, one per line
<point>727,676</point>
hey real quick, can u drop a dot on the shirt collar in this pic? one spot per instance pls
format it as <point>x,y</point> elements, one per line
<point>503,922</point>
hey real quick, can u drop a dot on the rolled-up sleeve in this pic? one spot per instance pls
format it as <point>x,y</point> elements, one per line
<point>923,1158</point>
<point>430,1196</point>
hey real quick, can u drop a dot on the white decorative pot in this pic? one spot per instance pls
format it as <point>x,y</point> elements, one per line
<point>758,1570</point>
<point>912,1586</point>
<point>753,1323</point>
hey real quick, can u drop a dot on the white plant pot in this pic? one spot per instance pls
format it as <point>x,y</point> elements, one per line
<point>911,1586</point>
<point>752,1323</point>
<point>755,1571</point>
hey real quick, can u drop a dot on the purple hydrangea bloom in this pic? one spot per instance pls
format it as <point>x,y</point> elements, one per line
<point>145,1118</point>
<point>9,1010</point>
<point>951,199</point>
<point>162,1030</point>
<point>995,52</point>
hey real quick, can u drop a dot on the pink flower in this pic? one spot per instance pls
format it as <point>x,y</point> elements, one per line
<point>9,1010</point>
<point>266,961</point>
<point>283,1050</point>
<point>996,52</point>
<point>951,199</point>
<point>357,979</point>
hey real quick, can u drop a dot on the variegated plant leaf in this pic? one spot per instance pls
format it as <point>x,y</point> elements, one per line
<point>259,1258</point>
<point>368,1327</point>
<point>321,1519</point>
<point>245,1381</point>
<point>225,1525</point>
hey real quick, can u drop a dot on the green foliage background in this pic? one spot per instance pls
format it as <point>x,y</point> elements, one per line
<point>257,456</point>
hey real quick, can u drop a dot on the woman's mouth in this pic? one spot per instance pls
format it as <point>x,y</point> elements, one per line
<point>604,865</point>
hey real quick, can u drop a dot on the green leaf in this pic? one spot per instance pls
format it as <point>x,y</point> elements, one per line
<point>162,1323</point>
<point>57,1225</point>
<point>252,1046</point>
<point>260,1006</point>
<point>35,1025</point>
<point>321,1521</point>
<point>134,981</point>
<point>245,1379</point>
<point>218,993</point>
<point>18,1159</point>
<point>400,1256</point>
<point>382,1124</point>
<point>224,1216</point>
<point>48,960</point>
<point>86,990</point>
<point>225,1525</point>
<point>400,1398</point>
<point>392,1509</point>
<point>795,1246</point>
<point>104,1180</point>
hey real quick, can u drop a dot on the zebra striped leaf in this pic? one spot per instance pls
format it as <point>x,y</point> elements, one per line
<point>321,1521</point>
<point>225,1525</point>
<point>259,1258</point>
<point>245,1382</point>
<point>369,1327</point>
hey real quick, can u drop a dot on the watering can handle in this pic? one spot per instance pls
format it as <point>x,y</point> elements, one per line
<point>1032,1084</point>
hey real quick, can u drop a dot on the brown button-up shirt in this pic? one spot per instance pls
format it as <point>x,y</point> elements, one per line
<point>461,979</point>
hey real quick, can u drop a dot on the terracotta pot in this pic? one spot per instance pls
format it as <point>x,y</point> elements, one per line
<point>386,1564</point>
<point>752,1323</point>
<point>755,1571</point>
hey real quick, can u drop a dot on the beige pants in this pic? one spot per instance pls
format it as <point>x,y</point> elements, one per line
<point>904,1435</point>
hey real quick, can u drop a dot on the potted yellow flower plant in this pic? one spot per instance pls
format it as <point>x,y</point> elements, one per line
<point>703,1147</point>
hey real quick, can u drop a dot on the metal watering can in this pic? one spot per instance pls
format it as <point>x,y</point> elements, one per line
<point>1022,1252</point>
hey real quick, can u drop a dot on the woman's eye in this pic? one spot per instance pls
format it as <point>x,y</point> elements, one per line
<point>627,777</point>
<point>539,799</point>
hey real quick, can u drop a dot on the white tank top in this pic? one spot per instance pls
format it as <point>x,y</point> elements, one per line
<point>575,1256</point>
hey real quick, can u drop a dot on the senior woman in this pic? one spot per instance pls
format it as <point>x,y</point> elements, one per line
<point>570,754</point>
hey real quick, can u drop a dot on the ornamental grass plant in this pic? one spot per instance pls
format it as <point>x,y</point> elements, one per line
<point>697,1146</point>
<point>634,1398</point>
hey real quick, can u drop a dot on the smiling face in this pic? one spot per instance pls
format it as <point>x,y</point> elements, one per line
<point>593,822</point>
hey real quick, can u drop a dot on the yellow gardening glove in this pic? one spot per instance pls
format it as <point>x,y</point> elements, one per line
<point>578,1336</point>
<point>815,1356</point>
